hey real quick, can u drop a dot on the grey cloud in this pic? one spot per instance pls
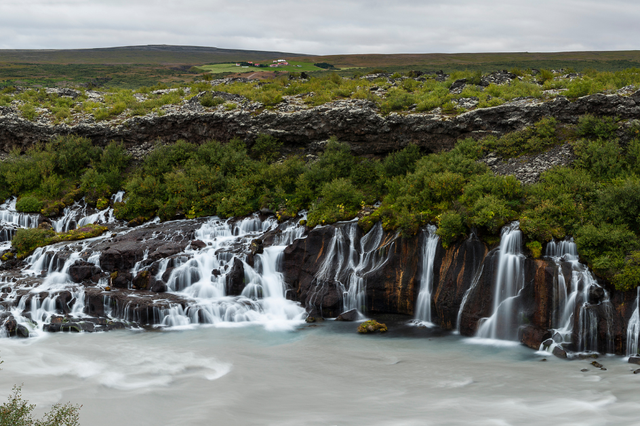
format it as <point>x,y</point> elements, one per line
<point>325,27</point>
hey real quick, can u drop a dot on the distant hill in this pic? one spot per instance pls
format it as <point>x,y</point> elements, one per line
<point>372,60</point>
<point>148,55</point>
<point>603,60</point>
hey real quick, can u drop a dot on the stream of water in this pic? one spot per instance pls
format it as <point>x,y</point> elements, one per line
<point>324,375</point>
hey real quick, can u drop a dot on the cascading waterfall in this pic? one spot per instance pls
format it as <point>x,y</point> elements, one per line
<point>429,246</point>
<point>199,277</point>
<point>509,281</point>
<point>574,298</point>
<point>9,216</point>
<point>633,329</point>
<point>11,220</point>
<point>263,299</point>
<point>349,261</point>
<point>76,215</point>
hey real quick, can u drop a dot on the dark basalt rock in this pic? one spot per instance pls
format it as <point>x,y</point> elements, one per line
<point>531,336</point>
<point>197,244</point>
<point>256,247</point>
<point>82,270</point>
<point>351,315</point>
<point>158,286</point>
<point>123,251</point>
<point>596,295</point>
<point>356,122</point>
<point>143,281</point>
<point>634,360</point>
<point>559,352</point>
<point>235,278</point>
<point>121,279</point>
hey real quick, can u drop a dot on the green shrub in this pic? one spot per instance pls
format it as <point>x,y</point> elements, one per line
<point>94,186</point>
<point>450,227</point>
<point>538,138</point>
<point>536,248</point>
<point>605,246</point>
<point>29,204</point>
<point>340,200</point>
<point>545,75</point>
<point>491,213</point>
<point>208,100</point>
<point>29,112</point>
<point>401,162</point>
<point>592,127</point>
<point>266,148</point>
<point>18,412</point>
<point>72,154</point>
<point>27,240</point>
<point>629,276</point>
<point>602,158</point>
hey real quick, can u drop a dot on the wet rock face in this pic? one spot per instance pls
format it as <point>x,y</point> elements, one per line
<point>235,278</point>
<point>121,252</point>
<point>356,122</point>
<point>82,270</point>
<point>454,270</point>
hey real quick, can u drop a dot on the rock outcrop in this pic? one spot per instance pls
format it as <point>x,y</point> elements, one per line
<point>357,122</point>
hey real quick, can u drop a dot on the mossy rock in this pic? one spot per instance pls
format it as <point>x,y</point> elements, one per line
<point>372,326</point>
<point>52,208</point>
<point>137,221</point>
<point>8,255</point>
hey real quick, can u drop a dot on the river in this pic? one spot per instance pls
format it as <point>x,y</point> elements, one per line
<point>324,374</point>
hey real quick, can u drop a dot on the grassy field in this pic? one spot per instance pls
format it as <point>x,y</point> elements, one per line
<point>121,76</point>
<point>138,66</point>
<point>119,67</point>
<point>294,66</point>
<point>475,59</point>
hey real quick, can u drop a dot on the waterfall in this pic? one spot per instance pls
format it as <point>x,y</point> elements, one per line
<point>348,262</point>
<point>509,281</point>
<point>263,299</point>
<point>77,215</point>
<point>573,298</point>
<point>429,247</point>
<point>633,329</point>
<point>9,216</point>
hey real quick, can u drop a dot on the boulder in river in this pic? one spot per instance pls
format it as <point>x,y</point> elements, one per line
<point>350,315</point>
<point>371,326</point>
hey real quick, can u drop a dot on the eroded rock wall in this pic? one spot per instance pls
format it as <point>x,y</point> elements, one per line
<point>356,122</point>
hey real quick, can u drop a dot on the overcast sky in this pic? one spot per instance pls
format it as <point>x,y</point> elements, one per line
<point>326,27</point>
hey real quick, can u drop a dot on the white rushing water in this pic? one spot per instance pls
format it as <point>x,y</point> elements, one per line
<point>350,259</point>
<point>327,375</point>
<point>263,299</point>
<point>78,215</point>
<point>509,281</point>
<point>633,329</point>
<point>198,275</point>
<point>429,247</point>
<point>573,297</point>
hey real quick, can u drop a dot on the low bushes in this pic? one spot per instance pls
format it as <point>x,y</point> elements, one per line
<point>27,240</point>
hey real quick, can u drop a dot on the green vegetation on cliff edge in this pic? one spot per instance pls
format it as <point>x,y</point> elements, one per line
<point>411,93</point>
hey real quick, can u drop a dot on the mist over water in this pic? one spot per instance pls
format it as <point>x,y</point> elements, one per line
<point>324,375</point>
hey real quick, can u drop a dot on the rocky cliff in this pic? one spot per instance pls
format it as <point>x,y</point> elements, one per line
<point>356,122</point>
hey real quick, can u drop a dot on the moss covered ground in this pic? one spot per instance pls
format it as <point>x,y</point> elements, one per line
<point>408,93</point>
